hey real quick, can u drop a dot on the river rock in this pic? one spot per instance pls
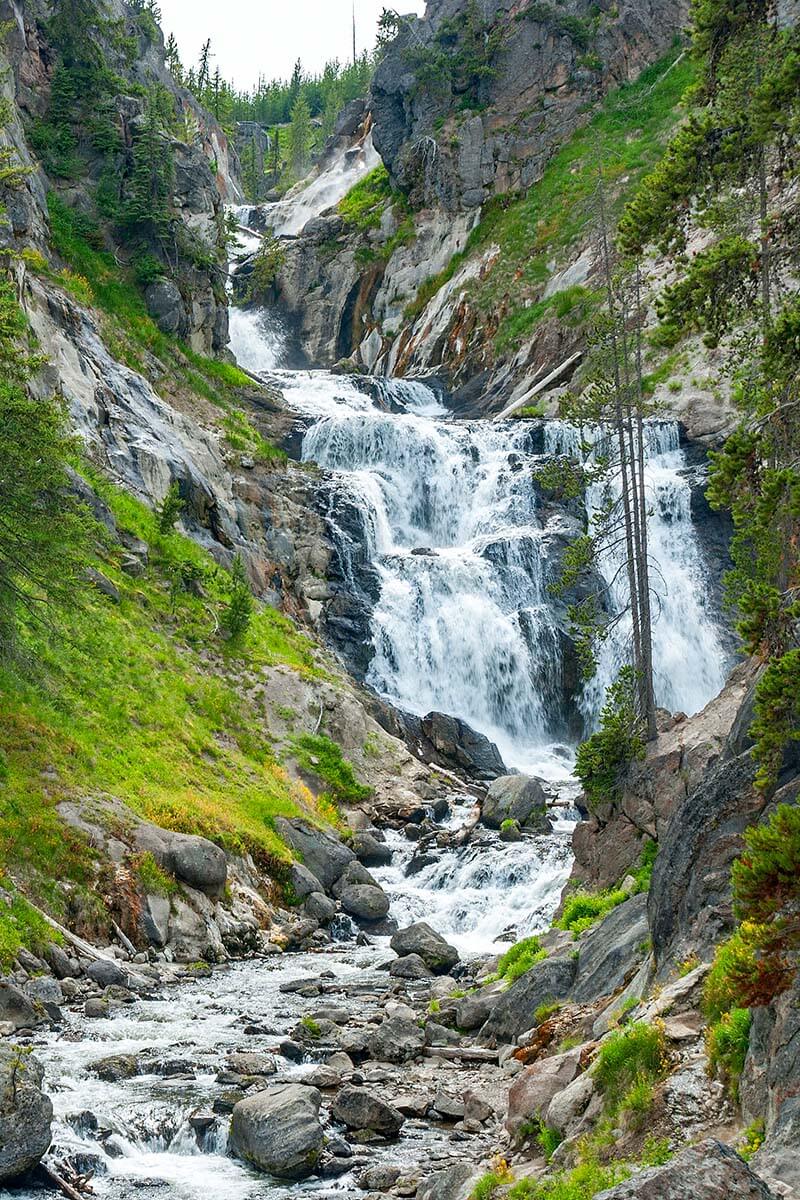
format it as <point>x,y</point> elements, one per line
<point>545,983</point>
<point>355,874</point>
<point>396,1040</point>
<point>17,1009</point>
<point>25,1113</point>
<point>431,947</point>
<point>252,1063</point>
<point>322,853</point>
<point>357,1108</point>
<point>320,907</point>
<point>369,850</point>
<point>105,973</point>
<point>279,1131</point>
<point>366,902</point>
<point>462,747</point>
<point>610,952</point>
<point>116,1067</point>
<point>516,798</point>
<point>379,1178</point>
<point>303,882</point>
<point>708,1171</point>
<point>473,1011</point>
<point>410,966</point>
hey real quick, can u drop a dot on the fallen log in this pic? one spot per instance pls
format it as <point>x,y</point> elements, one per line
<point>460,1053</point>
<point>539,387</point>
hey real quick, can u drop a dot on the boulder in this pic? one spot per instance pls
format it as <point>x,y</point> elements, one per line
<point>116,1067</point>
<point>411,966</point>
<point>396,1040</point>
<point>369,850</point>
<point>473,1011</point>
<point>459,745</point>
<point>17,1009</point>
<point>431,947</point>
<point>320,907</point>
<point>770,1087</point>
<point>25,1113</point>
<point>364,901</point>
<point>105,973</point>
<point>516,798</point>
<point>534,1088</point>
<point>610,952</point>
<point>568,1105</point>
<point>197,862</point>
<point>354,874</point>
<point>357,1108</point>
<point>321,852</point>
<point>379,1178</point>
<point>707,1171</point>
<point>302,882</point>
<point>250,1062</point>
<point>166,307</point>
<point>453,1183</point>
<point>545,983</point>
<point>279,1131</point>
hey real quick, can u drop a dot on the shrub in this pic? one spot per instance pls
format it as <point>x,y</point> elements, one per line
<point>520,958</point>
<point>727,1041</point>
<point>752,1140</point>
<point>153,880</point>
<point>637,1102</point>
<point>239,612</point>
<point>581,1183</point>
<point>311,1026</point>
<point>635,1055</point>
<point>605,758</point>
<point>582,909</point>
<point>549,1140</point>
<point>545,1011</point>
<point>170,508</point>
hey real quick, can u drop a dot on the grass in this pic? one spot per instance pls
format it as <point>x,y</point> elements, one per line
<point>581,1183</point>
<point>626,137</point>
<point>520,958</point>
<point>584,909</point>
<point>139,700</point>
<point>323,757</point>
<point>629,1061</point>
<point>727,1041</point>
<point>153,880</point>
<point>21,925</point>
<point>364,204</point>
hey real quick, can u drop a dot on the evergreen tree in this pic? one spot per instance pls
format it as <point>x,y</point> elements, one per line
<point>300,137</point>
<point>148,204</point>
<point>173,59</point>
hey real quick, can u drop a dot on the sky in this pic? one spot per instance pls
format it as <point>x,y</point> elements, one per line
<point>264,37</point>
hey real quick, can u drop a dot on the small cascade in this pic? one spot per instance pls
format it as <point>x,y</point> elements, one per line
<point>289,216</point>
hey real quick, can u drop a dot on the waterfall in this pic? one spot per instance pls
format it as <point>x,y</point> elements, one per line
<point>289,216</point>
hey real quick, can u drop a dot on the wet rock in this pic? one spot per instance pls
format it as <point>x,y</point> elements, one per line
<point>450,1107</point>
<point>473,1011</point>
<point>379,1178</point>
<point>358,1108</point>
<point>610,952</point>
<point>116,1068</point>
<point>252,1063</point>
<point>322,853</point>
<point>95,1008</point>
<point>431,947</point>
<point>708,1171</point>
<point>44,990</point>
<point>369,850</point>
<point>396,1040</point>
<point>279,1131</point>
<point>455,744</point>
<point>411,966</point>
<point>104,972</point>
<point>476,1109</point>
<point>534,1088</point>
<point>516,798</point>
<point>364,901</point>
<point>545,983</point>
<point>60,963</point>
<point>17,1010</point>
<point>324,1078</point>
<point>25,1113</point>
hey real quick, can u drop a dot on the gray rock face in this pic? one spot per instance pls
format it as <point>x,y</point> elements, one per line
<point>708,1171</point>
<point>457,745</point>
<point>453,1183</point>
<point>396,1040</point>
<point>322,853</point>
<point>610,952</point>
<point>166,307</point>
<point>770,1087</point>
<point>365,902</point>
<point>16,1008</point>
<point>411,966</point>
<point>357,1108</point>
<point>278,1130</point>
<point>25,1113</point>
<point>506,147</point>
<point>548,981</point>
<point>517,798</point>
<point>473,1011</point>
<point>302,882</point>
<point>320,907</point>
<point>689,903</point>
<point>431,947</point>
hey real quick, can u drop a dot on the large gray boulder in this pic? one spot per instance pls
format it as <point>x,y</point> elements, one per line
<point>321,852</point>
<point>396,1040</point>
<point>193,860</point>
<point>357,1108</point>
<point>370,851</point>
<point>516,798</point>
<point>279,1131</point>
<point>166,307</point>
<point>609,954</point>
<point>770,1087</point>
<point>548,981</point>
<point>437,954</point>
<point>25,1113</point>
<point>453,1183</point>
<point>364,901</point>
<point>534,1088</point>
<point>708,1171</point>
<point>16,1008</point>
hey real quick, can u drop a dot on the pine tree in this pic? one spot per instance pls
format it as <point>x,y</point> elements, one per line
<point>148,205</point>
<point>173,59</point>
<point>300,136</point>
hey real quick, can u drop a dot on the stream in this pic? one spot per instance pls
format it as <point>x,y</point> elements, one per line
<point>445,543</point>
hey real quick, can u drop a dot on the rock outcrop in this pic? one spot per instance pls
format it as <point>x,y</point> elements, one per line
<point>708,1171</point>
<point>25,1113</point>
